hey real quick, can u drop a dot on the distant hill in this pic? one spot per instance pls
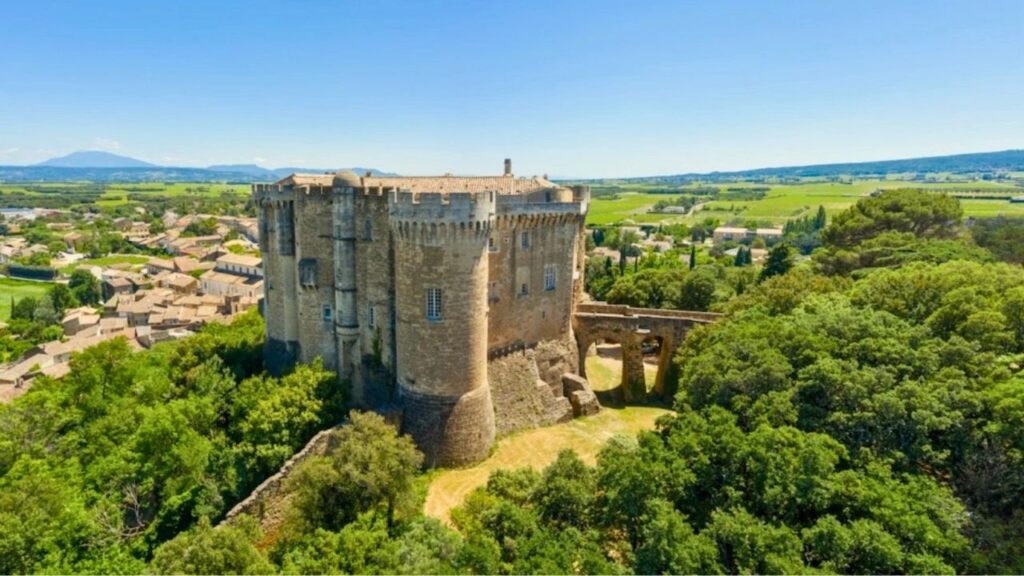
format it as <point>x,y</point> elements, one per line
<point>981,162</point>
<point>95,159</point>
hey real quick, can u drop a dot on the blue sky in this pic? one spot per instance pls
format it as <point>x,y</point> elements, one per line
<point>587,88</point>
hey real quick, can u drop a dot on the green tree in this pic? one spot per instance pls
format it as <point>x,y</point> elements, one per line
<point>820,218</point>
<point>923,214</point>
<point>226,549</point>
<point>369,466</point>
<point>779,261</point>
<point>85,287</point>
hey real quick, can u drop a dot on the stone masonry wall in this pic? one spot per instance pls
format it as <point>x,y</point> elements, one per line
<point>522,397</point>
<point>266,502</point>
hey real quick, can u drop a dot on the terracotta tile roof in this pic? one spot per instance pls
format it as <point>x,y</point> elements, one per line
<point>241,260</point>
<point>446,183</point>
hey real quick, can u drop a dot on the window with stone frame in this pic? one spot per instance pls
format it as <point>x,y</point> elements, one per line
<point>492,244</point>
<point>307,272</point>
<point>549,277</point>
<point>525,240</point>
<point>434,312</point>
<point>371,317</point>
<point>328,312</point>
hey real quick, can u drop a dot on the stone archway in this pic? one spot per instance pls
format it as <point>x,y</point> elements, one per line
<point>630,327</point>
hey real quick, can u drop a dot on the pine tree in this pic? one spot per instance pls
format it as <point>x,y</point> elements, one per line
<point>740,258</point>
<point>693,256</point>
<point>780,260</point>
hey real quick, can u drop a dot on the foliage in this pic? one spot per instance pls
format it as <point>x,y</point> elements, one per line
<point>369,467</point>
<point>130,450</point>
<point>923,214</point>
<point>1004,237</point>
<point>227,549</point>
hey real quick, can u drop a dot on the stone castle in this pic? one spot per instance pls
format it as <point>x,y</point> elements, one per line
<point>414,288</point>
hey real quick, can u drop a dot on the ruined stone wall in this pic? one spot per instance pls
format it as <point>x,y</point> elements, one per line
<point>521,398</point>
<point>266,502</point>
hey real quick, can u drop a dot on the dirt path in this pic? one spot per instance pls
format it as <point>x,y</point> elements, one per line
<point>536,449</point>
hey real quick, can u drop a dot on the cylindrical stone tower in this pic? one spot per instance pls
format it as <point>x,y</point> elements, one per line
<point>346,323</point>
<point>441,330</point>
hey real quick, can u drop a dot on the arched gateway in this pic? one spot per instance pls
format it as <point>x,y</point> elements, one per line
<point>630,327</point>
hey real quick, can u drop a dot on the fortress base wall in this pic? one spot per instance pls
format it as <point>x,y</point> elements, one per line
<point>450,431</point>
<point>522,400</point>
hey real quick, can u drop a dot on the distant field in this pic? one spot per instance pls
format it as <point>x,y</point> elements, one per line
<point>11,289</point>
<point>784,202</point>
<point>116,194</point>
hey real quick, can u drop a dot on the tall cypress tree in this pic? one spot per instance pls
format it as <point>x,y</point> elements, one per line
<point>693,256</point>
<point>820,219</point>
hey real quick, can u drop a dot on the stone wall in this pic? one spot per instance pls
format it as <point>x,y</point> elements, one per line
<point>267,501</point>
<point>526,387</point>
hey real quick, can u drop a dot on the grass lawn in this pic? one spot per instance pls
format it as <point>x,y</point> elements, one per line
<point>108,261</point>
<point>537,448</point>
<point>18,289</point>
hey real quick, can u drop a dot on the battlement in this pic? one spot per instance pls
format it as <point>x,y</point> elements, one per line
<point>442,207</point>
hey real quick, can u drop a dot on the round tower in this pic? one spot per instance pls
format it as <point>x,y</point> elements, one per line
<point>346,323</point>
<point>441,324</point>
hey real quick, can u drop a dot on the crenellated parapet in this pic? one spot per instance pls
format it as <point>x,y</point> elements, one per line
<point>441,217</point>
<point>458,207</point>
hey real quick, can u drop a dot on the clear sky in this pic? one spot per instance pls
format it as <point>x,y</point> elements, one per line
<point>583,88</point>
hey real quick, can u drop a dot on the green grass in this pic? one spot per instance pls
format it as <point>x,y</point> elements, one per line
<point>11,288</point>
<point>108,261</point>
<point>536,449</point>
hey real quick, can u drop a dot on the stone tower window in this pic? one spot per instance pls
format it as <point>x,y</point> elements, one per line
<point>368,230</point>
<point>327,313</point>
<point>525,240</point>
<point>307,272</point>
<point>434,304</point>
<point>492,244</point>
<point>371,317</point>
<point>549,277</point>
<point>524,289</point>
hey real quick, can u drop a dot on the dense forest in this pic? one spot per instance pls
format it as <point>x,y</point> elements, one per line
<point>860,410</point>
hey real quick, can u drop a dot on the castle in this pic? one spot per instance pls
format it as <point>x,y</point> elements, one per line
<point>410,288</point>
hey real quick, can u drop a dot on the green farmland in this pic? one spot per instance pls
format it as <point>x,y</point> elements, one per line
<point>12,290</point>
<point>784,202</point>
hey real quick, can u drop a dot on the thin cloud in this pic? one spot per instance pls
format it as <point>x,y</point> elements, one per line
<point>106,144</point>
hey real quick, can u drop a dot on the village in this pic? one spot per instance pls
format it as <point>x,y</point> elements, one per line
<point>183,272</point>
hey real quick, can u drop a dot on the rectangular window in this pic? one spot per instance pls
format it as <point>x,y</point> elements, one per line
<point>327,313</point>
<point>525,237</point>
<point>371,317</point>
<point>492,244</point>
<point>524,289</point>
<point>549,277</point>
<point>433,304</point>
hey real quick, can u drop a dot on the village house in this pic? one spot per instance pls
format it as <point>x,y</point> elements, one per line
<point>736,234</point>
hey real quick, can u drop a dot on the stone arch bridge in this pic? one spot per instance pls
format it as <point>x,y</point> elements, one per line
<point>630,328</point>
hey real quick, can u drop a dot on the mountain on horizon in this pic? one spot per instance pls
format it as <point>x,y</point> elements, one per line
<point>95,159</point>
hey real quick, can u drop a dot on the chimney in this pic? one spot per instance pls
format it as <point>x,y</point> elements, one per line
<point>508,166</point>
